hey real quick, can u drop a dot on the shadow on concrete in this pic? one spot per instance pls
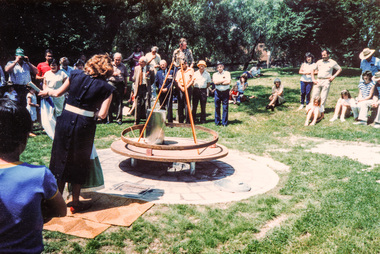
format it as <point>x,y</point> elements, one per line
<point>204,171</point>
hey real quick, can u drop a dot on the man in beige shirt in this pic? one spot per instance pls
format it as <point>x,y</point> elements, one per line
<point>325,68</point>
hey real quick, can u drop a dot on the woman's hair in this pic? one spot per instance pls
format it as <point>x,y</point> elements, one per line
<point>243,77</point>
<point>318,100</point>
<point>308,54</point>
<point>15,125</point>
<point>345,92</point>
<point>368,74</point>
<point>136,47</point>
<point>53,61</point>
<point>99,66</point>
<point>79,62</point>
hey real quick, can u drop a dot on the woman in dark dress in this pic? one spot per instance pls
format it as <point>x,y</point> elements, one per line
<point>89,97</point>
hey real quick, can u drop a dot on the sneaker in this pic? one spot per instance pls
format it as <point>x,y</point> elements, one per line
<point>333,119</point>
<point>301,107</point>
<point>376,125</point>
<point>342,120</point>
<point>360,123</point>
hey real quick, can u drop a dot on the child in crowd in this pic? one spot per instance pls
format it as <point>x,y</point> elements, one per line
<point>23,187</point>
<point>234,94</point>
<point>314,111</point>
<point>343,106</point>
<point>242,84</point>
<point>11,92</point>
<point>31,104</point>
<point>277,97</point>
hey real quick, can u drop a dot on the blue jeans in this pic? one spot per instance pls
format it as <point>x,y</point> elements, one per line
<point>221,97</point>
<point>305,91</point>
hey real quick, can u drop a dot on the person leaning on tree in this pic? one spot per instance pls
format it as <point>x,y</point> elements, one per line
<point>19,72</point>
<point>325,67</point>
<point>222,80</point>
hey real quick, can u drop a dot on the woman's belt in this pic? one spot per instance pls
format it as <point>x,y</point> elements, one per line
<point>79,111</point>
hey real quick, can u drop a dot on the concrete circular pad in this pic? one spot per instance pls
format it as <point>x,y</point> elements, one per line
<point>213,182</point>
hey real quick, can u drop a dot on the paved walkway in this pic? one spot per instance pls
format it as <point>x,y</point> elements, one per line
<point>234,177</point>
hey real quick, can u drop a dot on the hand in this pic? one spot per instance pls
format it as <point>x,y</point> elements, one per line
<point>164,90</point>
<point>18,59</point>
<point>315,82</point>
<point>375,105</point>
<point>43,93</point>
<point>331,78</point>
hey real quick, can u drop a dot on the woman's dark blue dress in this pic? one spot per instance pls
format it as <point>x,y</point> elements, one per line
<point>74,133</point>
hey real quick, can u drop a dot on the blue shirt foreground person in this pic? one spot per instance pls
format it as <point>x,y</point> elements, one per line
<point>23,186</point>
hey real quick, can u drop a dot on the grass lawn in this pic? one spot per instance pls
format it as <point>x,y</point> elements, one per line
<point>324,204</point>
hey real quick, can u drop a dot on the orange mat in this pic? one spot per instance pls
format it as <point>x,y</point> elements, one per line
<point>106,210</point>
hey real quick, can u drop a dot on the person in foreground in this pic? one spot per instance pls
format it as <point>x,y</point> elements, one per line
<point>23,186</point>
<point>314,111</point>
<point>89,98</point>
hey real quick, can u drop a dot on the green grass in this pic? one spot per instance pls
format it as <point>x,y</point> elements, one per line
<point>329,204</point>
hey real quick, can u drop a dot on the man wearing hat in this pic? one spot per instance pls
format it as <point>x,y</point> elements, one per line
<point>222,80</point>
<point>153,63</point>
<point>19,74</point>
<point>376,96</point>
<point>202,80</point>
<point>369,62</point>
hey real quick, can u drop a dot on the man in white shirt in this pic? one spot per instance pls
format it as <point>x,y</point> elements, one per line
<point>325,68</point>
<point>222,80</point>
<point>153,63</point>
<point>202,80</point>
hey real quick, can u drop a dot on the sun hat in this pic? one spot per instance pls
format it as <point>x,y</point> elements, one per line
<point>366,53</point>
<point>276,80</point>
<point>201,62</point>
<point>376,77</point>
<point>19,52</point>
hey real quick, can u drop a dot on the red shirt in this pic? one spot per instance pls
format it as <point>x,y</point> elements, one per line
<point>42,68</point>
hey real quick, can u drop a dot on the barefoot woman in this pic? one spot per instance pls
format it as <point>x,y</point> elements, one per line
<point>89,98</point>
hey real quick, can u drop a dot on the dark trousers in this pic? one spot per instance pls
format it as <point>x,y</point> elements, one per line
<point>199,95</point>
<point>21,94</point>
<point>221,97</point>
<point>166,102</point>
<point>117,102</point>
<point>182,105</point>
<point>142,103</point>
<point>306,91</point>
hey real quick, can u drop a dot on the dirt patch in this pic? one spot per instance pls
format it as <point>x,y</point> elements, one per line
<point>270,225</point>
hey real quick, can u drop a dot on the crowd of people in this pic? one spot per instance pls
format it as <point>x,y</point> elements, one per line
<point>316,80</point>
<point>94,91</point>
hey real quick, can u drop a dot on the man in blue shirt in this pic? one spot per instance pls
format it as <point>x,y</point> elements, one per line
<point>166,96</point>
<point>369,62</point>
<point>19,72</point>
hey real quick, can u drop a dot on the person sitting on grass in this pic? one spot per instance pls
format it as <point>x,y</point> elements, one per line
<point>277,96</point>
<point>234,94</point>
<point>364,98</point>
<point>314,111</point>
<point>344,106</point>
<point>242,84</point>
<point>254,72</point>
<point>23,187</point>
